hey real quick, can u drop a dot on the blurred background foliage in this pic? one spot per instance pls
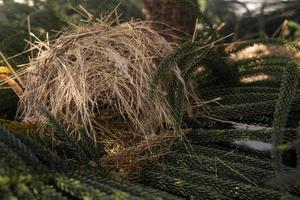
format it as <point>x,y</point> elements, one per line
<point>247,18</point>
<point>255,18</point>
<point>50,16</point>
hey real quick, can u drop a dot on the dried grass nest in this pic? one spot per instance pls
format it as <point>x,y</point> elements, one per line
<point>98,75</point>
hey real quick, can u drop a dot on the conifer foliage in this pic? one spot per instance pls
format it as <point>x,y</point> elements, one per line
<point>229,101</point>
<point>29,169</point>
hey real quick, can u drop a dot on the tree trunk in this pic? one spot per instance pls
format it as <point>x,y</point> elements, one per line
<point>175,21</point>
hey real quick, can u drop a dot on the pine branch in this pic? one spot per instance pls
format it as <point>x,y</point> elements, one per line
<point>216,92</point>
<point>15,172</point>
<point>70,144</point>
<point>286,97</point>
<point>236,99</point>
<point>270,41</point>
<point>298,148</point>
<point>112,191</point>
<point>179,187</point>
<point>11,164</point>
<point>19,147</point>
<point>46,156</point>
<point>228,188</point>
<point>137,190</point>
<point>78,189</point>
<point>202,136</point>
<point>214,165</point>
<point>47,192</point>
<point>93,150</point>
<point>233,156</point>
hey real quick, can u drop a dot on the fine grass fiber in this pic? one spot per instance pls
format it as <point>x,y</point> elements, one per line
<point>97,75</point>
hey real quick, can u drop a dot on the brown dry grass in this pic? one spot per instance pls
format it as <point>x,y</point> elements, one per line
<point>125,160</point>
<point>98,75</point>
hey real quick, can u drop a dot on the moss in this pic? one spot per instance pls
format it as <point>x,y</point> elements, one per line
<point>19,127</point>
<point>4,180</point>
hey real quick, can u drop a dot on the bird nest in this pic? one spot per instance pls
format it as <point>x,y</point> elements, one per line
<point>97,75</point>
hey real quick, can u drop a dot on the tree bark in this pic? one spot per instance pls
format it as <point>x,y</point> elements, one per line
<point>175,21</point>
